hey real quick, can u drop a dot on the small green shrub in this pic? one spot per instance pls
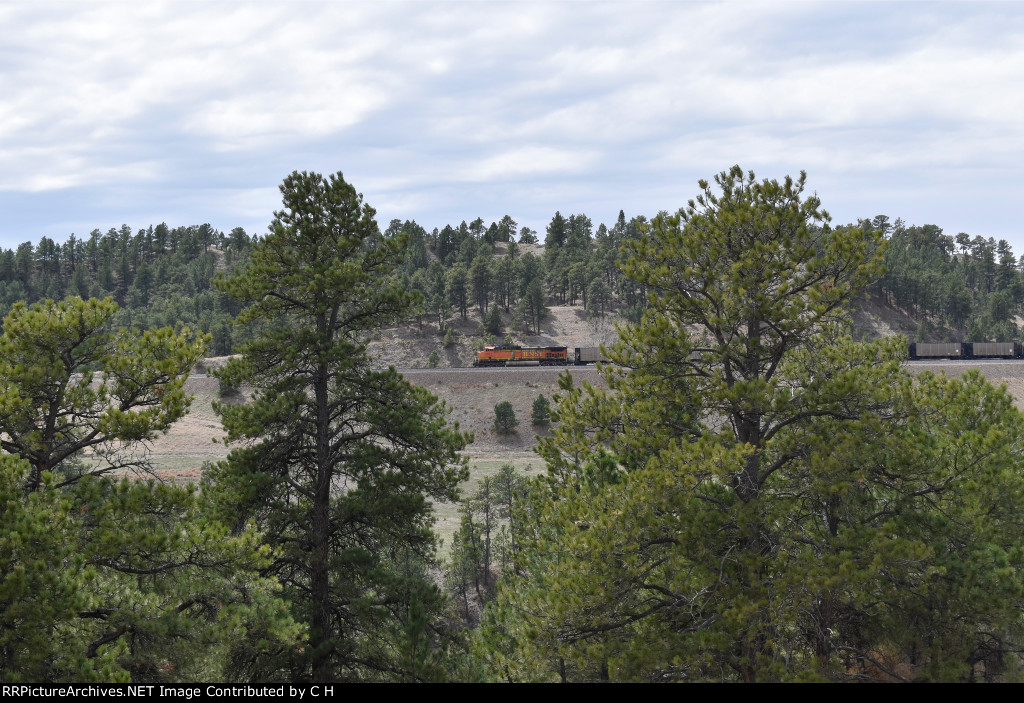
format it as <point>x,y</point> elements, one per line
<point>541,415</point>
<point>505,421</point>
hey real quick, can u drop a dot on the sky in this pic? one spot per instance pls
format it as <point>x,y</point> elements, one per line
<point>191,112</point>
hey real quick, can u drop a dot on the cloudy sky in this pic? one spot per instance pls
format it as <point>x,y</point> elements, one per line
<point>189,112</point>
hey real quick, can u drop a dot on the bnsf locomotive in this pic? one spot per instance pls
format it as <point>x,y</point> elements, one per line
<point>967,350</point>
<point>537,356</point>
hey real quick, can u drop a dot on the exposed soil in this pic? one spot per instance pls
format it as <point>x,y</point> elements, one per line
<point>409,346</point>
<point>871,319</point>
<point>472,394</point>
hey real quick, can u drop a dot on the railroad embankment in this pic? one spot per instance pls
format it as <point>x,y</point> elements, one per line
<point>471,394</point>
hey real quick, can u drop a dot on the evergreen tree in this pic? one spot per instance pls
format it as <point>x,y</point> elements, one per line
<point>337,460</point>
<point>599,297</point>
<point>506,229</point>
<point>53,406</point>
<point>38,602</point>
<point>534,305</point>
<point>492,322</point>
<point>103,579</point>
<point>541,415</point>
<point>557,233</point>
<point>505,421</point>
<point>528,236</point>
<point>753,485</point>
<point>457,287</point>
<point>480,279</point>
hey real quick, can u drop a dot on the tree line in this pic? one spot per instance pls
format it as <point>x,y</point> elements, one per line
<point>159,276</point>
<point>162,276</point>
<point>958,288</point>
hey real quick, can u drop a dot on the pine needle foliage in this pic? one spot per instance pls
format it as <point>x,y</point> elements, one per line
<point>755,497</point>
<point>335,462</point>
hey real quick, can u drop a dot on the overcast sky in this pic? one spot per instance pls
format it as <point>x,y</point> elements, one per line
<point>189,112</point>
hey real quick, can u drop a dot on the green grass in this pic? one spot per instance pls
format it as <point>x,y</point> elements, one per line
<point>160,463</point>
<point>179,463</point>
<point>447,514</point>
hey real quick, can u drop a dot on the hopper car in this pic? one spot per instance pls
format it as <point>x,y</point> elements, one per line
<point>967,350</point>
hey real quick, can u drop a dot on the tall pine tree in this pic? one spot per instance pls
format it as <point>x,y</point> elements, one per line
<point>756,497</point>
<point>336,460</point>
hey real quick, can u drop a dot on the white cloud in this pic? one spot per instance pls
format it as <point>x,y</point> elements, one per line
<point>527,162</point>
<point>451,108</point>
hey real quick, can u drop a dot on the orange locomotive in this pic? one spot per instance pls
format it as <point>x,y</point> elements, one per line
<point>538,356</point>
<point>522,356</point>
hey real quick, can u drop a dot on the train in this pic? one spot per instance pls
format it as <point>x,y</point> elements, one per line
<point>505,356</point>
<point>967,350</point>
<point>538,356</point>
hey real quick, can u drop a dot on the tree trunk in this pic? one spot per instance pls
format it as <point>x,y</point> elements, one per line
<point>320,636</point>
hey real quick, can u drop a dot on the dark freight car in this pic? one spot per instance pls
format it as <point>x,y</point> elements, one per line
<point>968,350</point>
<point>588,355</point>
<point>947,350</point>
<point>995,350</point>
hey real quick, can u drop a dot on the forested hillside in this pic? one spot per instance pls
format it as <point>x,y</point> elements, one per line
<point>946,288</point>
<point>959,288</point>
<point>162,276</point>
<point>159,276</point>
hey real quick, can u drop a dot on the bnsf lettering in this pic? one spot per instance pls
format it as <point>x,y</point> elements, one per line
<point>536,356</point>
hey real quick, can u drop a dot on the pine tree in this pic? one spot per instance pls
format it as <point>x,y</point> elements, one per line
<point>527,236</point>
<point>541,415</point>
<point>534,306</point>
<point>492,321</point>
<point>505,421</point>
<point>337,461</point>
<point>755,496</point>
<point>103,578</point>
<point>53,405</point>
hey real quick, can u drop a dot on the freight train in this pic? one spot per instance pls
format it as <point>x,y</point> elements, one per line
<point>967,350</point>
<point>538,356</point>
<point>581,356</point>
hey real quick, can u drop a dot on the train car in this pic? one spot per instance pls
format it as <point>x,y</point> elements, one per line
<point>995,350</point>
<point>967,350</point>
<point>587,355</point>
<point>948,350</point>
<point>522,356</point>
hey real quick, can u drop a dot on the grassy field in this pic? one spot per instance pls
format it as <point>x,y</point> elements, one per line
<point>479,468</point>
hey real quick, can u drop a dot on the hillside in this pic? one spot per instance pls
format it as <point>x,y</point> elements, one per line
<point>409,346</point>
<point>471,394</point>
